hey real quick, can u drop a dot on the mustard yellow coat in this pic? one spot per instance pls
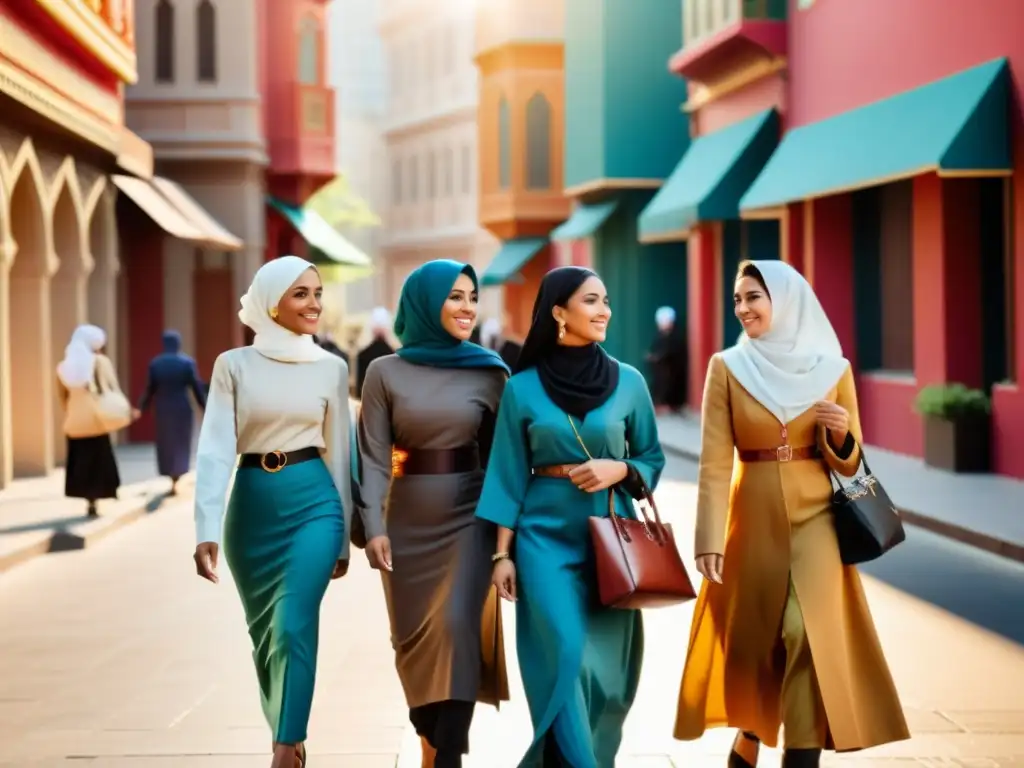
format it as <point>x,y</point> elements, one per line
<point>772,520</point>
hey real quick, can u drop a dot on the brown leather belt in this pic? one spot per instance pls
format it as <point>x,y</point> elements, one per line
<point>275,461</point>
<point>554,470</point>
<point>783,454</point>
<point>450,461</point>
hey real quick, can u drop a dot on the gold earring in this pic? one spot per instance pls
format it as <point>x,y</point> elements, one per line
<point>561,330</point>
<point>273,313</point>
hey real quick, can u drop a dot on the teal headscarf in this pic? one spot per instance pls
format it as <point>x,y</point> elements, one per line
<point>418,321</point>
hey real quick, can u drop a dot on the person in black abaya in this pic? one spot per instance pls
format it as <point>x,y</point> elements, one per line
<point>667,360</point>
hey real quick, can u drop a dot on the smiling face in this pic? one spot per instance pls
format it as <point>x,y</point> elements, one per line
<point>299,309</point>
<point>752,306</point>
<point>586,315</point>
<point>459,311</point>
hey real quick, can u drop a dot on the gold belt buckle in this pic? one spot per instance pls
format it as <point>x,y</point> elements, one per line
<point>398,459</point>
<point>282,461</point>
<point>784,453</point>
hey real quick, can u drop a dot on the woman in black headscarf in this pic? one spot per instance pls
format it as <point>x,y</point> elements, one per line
<point>574,425</point>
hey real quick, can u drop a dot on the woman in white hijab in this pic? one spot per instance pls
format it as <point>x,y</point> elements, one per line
<point>279,410</point>
<point>781,634</point>
<point>91,395</point>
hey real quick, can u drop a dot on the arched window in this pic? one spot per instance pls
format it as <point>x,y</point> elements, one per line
<point>164,42</point>
<point>309,51</point>
<point>538,142</point>
<point>504,144</point>
<point>206,42</point>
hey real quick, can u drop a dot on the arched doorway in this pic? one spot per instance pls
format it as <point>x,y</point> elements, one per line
<point>101,307</point>
<point>31,366</point>
<point>6,256</point>
<point>67,293</point>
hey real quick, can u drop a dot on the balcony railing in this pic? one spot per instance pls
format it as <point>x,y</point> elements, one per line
<point>301,128</point>
<point>704,18</point>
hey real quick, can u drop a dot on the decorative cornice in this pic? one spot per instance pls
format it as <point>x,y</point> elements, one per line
<point>42,99</point>
<point>91,30</point>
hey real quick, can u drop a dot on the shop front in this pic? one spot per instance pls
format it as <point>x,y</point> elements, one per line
<point>907,204</point>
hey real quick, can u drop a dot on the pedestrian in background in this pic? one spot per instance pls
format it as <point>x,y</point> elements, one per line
<point>94,407</point>
<point>667,358</point>
<point>172,375</point>
<point>282,404</point>
<point>380,325</point>
<point>782,634</point>
<point>425,429</point>
<point>574,425</point>
<point>491,336</point>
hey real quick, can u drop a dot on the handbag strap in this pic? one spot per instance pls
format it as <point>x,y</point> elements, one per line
<point>648,496</point>
<point>833,475</point>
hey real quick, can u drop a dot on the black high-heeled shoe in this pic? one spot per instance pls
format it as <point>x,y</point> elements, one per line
<point>801,758</point>
<point>736,760</point>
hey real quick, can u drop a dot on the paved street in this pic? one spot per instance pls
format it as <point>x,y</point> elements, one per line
<point>118,656</point>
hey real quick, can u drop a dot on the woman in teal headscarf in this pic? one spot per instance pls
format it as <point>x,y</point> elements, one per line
<point>425,428</point>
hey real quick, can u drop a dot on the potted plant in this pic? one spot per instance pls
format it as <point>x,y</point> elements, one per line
<point>957,428</point>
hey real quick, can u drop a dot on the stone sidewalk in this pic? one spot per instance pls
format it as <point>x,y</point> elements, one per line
<point>36,518</point>
<point>984,511</point>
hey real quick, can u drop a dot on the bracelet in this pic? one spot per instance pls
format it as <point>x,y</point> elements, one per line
<point>499,556</point>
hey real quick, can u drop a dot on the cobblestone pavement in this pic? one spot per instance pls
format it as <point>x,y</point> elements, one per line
<point>119,657</point>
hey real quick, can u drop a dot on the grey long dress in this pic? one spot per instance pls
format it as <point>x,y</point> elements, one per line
<point>445,621</point>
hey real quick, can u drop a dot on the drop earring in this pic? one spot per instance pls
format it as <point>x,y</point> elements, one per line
<point>561,330</point>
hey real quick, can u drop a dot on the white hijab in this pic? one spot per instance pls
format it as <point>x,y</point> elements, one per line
<point>275,341</point>
<point>490,332</point>
<point>380,320</point>
<point>664,317</point>
<point>79,363</point>
<point>799,359</point>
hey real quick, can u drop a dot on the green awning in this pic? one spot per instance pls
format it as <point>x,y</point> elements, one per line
<point>512,257</point>
<point>328,247</point>
<point>711,178</point>
<point>585,221</point>
<point>956,126</point>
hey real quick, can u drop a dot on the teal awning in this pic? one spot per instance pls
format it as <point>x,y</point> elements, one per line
<point>328,246</point>
<point>585,221</point>
<point>955,126</point>
<point>512,257</point>
<point>711,178</point>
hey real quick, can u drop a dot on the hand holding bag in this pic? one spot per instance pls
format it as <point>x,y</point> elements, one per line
<point>867,523</point>
<point>93,411</point>
<point>638,562</point>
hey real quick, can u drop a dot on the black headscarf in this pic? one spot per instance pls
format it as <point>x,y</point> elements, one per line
<point>577,379</point>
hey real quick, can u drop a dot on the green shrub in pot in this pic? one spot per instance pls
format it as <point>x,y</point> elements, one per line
<point>956,427</point>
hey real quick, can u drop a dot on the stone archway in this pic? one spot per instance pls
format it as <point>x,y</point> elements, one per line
<point>31,362</point>
<point>68,292</point>
<point>101,303</point>
<point>7,249</point>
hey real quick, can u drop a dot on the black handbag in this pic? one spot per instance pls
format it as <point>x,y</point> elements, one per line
<point>867,523</point>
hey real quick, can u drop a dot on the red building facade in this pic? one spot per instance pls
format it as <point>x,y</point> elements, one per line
<point>952,247</point>
<point>920,265</point>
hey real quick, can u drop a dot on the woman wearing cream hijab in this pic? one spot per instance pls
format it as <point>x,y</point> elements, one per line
<point>279,409</point>
<point>782,633</point>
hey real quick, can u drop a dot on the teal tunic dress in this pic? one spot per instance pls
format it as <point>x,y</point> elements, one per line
<point>580,662</point>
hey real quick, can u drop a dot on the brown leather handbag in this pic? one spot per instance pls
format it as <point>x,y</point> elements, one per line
<point>638,562</point>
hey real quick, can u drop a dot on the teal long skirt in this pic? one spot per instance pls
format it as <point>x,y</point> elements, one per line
<point>282,536</point>
<point>580,662</point>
